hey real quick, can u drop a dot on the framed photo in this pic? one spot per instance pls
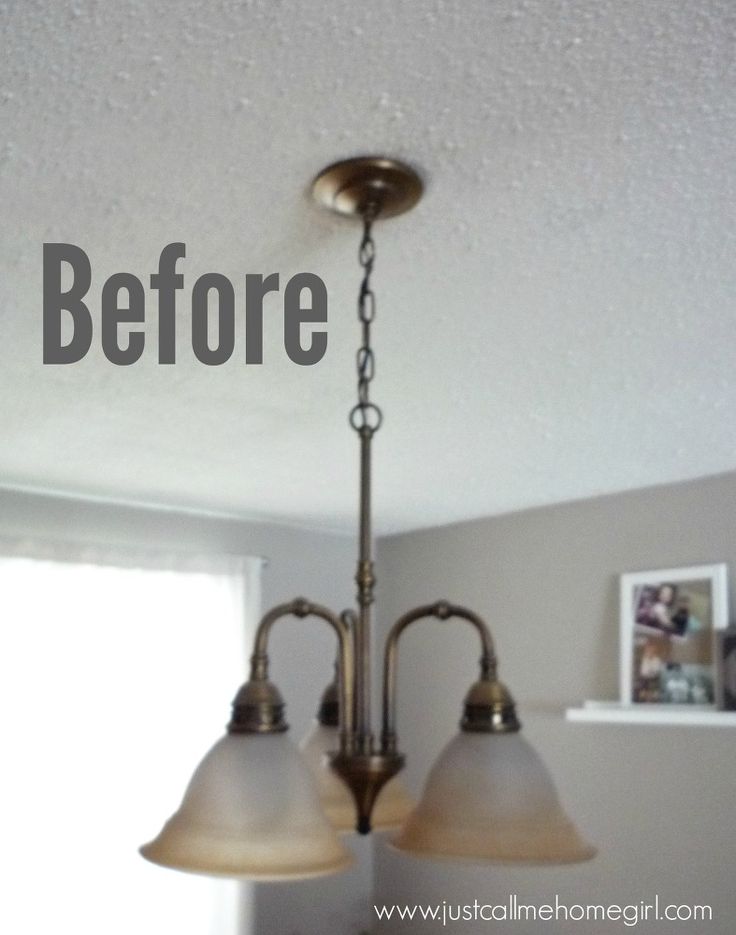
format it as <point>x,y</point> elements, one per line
<point>669,621</point>
<point>726,669</point>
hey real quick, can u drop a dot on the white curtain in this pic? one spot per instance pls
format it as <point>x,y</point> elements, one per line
<point>117,668</point>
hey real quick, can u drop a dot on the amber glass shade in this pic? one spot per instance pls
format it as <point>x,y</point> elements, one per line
<point>489,797</point>
<point>252,811</point>
<point>392,806</point>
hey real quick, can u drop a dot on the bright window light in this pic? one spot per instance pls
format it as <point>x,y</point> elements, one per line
<point>113,682</point>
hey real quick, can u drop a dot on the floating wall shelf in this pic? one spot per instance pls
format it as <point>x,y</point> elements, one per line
<point>613,712</point>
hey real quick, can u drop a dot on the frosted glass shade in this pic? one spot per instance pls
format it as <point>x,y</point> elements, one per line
<point>251,811</point>
<point>392,806</point>
<point>489,797</point>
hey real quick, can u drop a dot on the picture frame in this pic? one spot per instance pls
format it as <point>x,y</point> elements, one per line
<point>669,619</point>
<point>726,669</point>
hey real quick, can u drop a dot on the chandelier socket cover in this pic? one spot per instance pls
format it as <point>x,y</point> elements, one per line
<point>489,709</point>
<point>328,713</point>
<point>258,708</point>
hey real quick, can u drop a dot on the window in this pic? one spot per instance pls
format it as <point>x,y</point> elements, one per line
<point>114,681</point>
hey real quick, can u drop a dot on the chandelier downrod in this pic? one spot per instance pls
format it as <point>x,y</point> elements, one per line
<point>365,418</point>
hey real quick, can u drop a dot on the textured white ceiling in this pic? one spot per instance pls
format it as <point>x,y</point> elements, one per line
<point>555,318</point>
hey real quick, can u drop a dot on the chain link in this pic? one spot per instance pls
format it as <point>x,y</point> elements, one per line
<point>365,415</point>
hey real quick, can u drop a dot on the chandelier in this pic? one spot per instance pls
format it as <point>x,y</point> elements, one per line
<point>256,807</point>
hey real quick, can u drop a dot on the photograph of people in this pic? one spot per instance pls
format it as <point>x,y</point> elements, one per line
<point>659,609</point>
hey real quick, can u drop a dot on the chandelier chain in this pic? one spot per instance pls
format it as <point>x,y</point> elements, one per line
<point>365,416</point>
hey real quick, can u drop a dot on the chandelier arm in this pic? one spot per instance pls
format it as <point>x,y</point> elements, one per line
<point>300,607</point>
<point>442,610</point>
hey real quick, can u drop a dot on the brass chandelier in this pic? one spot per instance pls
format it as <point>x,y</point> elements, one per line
<point>258,808</point>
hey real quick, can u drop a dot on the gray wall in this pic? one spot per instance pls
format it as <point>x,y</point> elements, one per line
<point>657,801</point>
<point>300,563</point>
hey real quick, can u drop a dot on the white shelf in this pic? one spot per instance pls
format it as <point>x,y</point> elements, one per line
<point>613,712</point>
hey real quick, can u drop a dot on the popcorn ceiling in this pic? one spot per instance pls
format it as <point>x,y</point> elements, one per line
<point>555,320</point>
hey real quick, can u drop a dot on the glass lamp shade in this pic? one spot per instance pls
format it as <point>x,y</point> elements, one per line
<point>392,806</point>
<point>489,797</point>
<point>252,811</point>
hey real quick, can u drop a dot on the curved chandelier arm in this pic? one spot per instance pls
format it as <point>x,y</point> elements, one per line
<point>300,607</point>
<point>442,610</point>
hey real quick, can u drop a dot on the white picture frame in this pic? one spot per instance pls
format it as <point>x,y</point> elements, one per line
<point>657,627</point>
